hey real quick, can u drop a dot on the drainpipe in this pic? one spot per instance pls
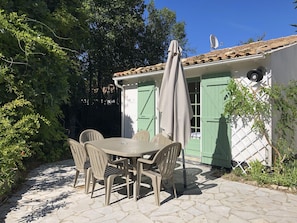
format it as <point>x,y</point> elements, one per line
<point>116,82</point>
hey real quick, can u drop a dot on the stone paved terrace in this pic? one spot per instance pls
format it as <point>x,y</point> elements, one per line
<point>48,196</point>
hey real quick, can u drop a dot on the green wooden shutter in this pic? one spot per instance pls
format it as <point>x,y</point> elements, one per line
<point>146,108</point>
<point>216,149</point>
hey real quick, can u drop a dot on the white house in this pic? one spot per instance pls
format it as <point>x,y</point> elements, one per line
<point>214,140</point>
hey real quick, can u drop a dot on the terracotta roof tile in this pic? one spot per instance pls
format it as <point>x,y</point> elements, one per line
<point>255,48</point>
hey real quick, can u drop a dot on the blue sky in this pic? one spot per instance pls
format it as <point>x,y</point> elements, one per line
<point>232,21</point>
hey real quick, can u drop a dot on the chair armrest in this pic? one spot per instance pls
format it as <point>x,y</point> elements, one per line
<point>146,161</point>
<point>118,161</point>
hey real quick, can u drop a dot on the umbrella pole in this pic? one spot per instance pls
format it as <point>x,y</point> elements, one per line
<point>184,169</point>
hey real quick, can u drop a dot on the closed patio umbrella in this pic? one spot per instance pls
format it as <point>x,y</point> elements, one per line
<point>174,102</point>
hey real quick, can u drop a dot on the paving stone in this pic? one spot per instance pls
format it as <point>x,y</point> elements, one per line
<point>48,195</point>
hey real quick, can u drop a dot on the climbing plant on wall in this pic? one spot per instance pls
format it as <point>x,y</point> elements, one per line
<point>247,104</point>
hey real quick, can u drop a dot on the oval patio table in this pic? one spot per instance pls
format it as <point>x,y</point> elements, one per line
<point>128,148</point>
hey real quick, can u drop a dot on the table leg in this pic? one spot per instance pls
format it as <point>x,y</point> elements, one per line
<point>134,176</point>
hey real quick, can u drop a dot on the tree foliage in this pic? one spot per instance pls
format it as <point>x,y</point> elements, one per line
<point>56,52</point>
<point>125,35</point>
<point>160,28</point>
<point>36,69</point>
<point>31,89</point>
<point>84,43</point>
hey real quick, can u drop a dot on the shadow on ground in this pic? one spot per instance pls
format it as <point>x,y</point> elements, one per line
<point>188,181</point>
<point>54,178</point>
<point>48,177</point>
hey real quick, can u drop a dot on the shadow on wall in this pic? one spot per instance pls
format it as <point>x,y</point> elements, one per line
<point>222,153</point>
<point>128,123</point>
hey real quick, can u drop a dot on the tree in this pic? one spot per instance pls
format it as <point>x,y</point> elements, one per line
<point>123,38</point>
<point>31,89</point>
<point>161,27</point>
<point>39,70</point>
<point>115,28</point>
<point>90,40</point>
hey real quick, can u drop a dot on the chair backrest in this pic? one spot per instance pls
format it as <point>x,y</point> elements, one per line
<point>98,160</point>
<point>160,139</point>
<point>142,135</point>
<point>79,154</point>
<point>166,159</point>
<point>90,135</point>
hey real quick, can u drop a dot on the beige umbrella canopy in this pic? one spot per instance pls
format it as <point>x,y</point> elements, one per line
<point>174,103</point>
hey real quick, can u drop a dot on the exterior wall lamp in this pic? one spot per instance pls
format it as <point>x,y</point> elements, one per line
<point>256,75</point>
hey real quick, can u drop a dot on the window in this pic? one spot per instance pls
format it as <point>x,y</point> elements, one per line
<point>194,90</point>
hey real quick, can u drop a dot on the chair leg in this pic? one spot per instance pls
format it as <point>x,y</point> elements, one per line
<point>93,186</point>
<point>159,180</point>
<point>108,184</point>
<point>156,182</point>
<point>128,185</point>
<point>88,179</point>
<point>138,181</point>
<point>76,176</point>
<point>174,188</point>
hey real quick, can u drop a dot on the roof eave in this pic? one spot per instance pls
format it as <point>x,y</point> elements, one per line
<point>195,66</point>
<point>224,62</point>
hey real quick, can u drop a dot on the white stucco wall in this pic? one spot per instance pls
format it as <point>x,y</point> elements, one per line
<point>284,67</point>
<point>129,111</point>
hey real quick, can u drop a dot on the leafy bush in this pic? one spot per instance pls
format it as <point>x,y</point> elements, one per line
<point>34,72</point>
<point>286,175</point>
<point>18,123</point>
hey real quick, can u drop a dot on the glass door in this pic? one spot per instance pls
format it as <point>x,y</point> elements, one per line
<point>193,147</point>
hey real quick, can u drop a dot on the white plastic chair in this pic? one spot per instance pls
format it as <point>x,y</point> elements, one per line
<point>102,168</point>
<point>80,158</point>
<point>90,135</point>
<point>165,159</point>
<point>142,135</point>
<point>160,139</point>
